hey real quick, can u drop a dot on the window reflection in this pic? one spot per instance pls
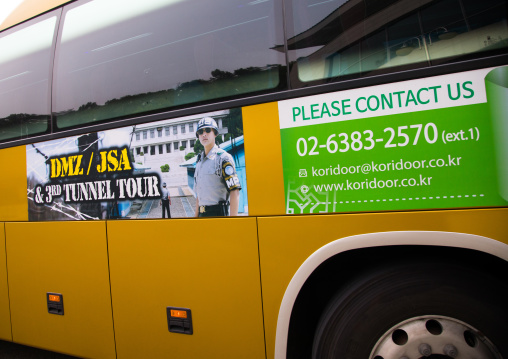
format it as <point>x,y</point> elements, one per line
<point>182,52</point>
<point>24,86</point>
<point>341,39</point>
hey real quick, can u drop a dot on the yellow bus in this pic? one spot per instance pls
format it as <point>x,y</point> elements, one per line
<point>351,158</point>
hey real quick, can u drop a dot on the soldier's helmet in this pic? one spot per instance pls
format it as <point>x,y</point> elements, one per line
<point>207,122</point>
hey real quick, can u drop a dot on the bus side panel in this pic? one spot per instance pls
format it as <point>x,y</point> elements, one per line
<point>209,266</point>
<point>5,322</point>
<point>263,159</point>
<point>282,255</point>
<point>14,203</point>
<point>66,258</point>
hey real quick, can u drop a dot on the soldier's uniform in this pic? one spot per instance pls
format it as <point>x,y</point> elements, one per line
<point>165,201</point>
<point>214,178</point>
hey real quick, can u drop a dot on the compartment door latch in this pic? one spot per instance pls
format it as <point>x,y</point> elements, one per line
<point>179,320</point>
<point>55,303</point>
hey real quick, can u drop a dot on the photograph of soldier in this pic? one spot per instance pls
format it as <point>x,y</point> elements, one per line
<point>216,182</point>
<point>165,201</point>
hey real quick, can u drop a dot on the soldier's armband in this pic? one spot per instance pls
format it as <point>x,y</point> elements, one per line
<point>230,177</point>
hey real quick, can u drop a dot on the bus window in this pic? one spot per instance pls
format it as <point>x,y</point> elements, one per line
<point>341,39</point>
<point>117,58</point>
<point>24,79</point>
<point>479,27</point>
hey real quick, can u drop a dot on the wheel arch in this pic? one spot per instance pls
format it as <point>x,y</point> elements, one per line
<point>356,247</point>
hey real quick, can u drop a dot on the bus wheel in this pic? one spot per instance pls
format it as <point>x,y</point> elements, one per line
<point>416,310</point>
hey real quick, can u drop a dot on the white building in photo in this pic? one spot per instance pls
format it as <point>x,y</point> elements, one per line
<point>167,142</point>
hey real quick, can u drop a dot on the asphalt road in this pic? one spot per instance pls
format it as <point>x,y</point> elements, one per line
<point>10,350</point>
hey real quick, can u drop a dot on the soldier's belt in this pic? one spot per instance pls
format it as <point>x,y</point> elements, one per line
<point>215,207</point>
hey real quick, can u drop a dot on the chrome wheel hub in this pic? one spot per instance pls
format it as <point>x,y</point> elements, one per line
<point>433,337</point>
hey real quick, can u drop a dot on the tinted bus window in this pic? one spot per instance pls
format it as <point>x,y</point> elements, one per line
<point>25,56</point>
<point>345,39</point>
<point>117,58</point>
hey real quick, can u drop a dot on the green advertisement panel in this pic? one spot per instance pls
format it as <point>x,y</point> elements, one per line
<point>439,142</point>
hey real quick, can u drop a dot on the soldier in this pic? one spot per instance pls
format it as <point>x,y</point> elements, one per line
<point>165,200</point>
<point>216,183</point>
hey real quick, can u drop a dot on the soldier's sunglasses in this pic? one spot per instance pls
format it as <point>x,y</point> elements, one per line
<point>207,130</point>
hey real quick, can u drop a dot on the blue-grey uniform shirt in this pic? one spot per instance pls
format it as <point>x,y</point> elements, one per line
<point>215,177</point>
<point>165,194</point>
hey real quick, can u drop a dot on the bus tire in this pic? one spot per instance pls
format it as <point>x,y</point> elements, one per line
<point>391,311</point>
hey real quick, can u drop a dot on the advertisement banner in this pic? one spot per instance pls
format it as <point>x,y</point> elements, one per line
<point>152,170</point>
<point>438,142</point>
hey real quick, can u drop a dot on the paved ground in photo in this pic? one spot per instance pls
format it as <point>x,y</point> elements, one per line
<point>183,204</point>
